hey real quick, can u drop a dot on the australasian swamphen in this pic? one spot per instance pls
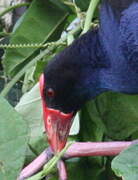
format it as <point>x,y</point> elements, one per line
<point>103,59</point>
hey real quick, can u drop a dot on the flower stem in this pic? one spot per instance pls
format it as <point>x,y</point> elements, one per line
<point>50,165</point>
<point>78,150</point>
<point>62,170</point>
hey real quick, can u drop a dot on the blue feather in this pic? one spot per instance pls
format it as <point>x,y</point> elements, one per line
<point>122,48</point>
<point>103,59</point>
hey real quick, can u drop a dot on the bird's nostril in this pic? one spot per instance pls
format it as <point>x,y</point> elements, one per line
<point>49,120</point>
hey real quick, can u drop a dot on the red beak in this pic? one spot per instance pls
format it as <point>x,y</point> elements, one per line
<point>57,124</point>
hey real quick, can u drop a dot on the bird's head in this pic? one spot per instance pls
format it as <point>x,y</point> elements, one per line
<point>58,108</point>
<point>66,85</point>
<point>57,123</point>
<point>61,99</point>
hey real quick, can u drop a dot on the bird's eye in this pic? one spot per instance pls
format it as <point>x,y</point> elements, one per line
<point>50,92</point>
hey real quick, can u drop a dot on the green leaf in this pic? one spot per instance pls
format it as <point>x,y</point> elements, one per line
<point>13,141</point>
<point>30,107</point>
<point>37,26</point>
<point>119,112</point>
<point>60,4</point>
<point>28,79</point>
<point>125,165</point>
<point>83,4</point>
<point>83,168</point>
<point>91,125</point>
<point>39,68</point>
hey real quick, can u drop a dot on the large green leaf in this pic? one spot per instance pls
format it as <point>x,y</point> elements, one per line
<point>30,107</point>
<point>91,125</point>
<point>83,4</point>
<point>13,141</point>
<point>38,24</point>
<point>111,114</point>
<point>119,113</point>
<point>125,165</point>
<point>84,168</point>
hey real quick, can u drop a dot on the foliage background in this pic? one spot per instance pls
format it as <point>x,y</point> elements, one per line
<point>110,117</point>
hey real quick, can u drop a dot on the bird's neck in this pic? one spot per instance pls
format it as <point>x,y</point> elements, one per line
<point>111,66</point>
<point>88,64</point>
<point>118,35</point>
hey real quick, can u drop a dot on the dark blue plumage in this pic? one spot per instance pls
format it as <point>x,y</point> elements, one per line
<point>103,59</point>
<point>120,39</point>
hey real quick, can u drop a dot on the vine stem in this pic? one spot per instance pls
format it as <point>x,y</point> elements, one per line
<point>38,45</point>
<point>96,149</point>
<point>36,165</point>
<point>18,5</point>
<point>89,15</point>
<point>78,149</point>
<point>50,165</point>
<point>7,88</point>
<point>62,170</point>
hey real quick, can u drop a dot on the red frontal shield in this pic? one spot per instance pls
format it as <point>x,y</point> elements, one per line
<point>57,124</point>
